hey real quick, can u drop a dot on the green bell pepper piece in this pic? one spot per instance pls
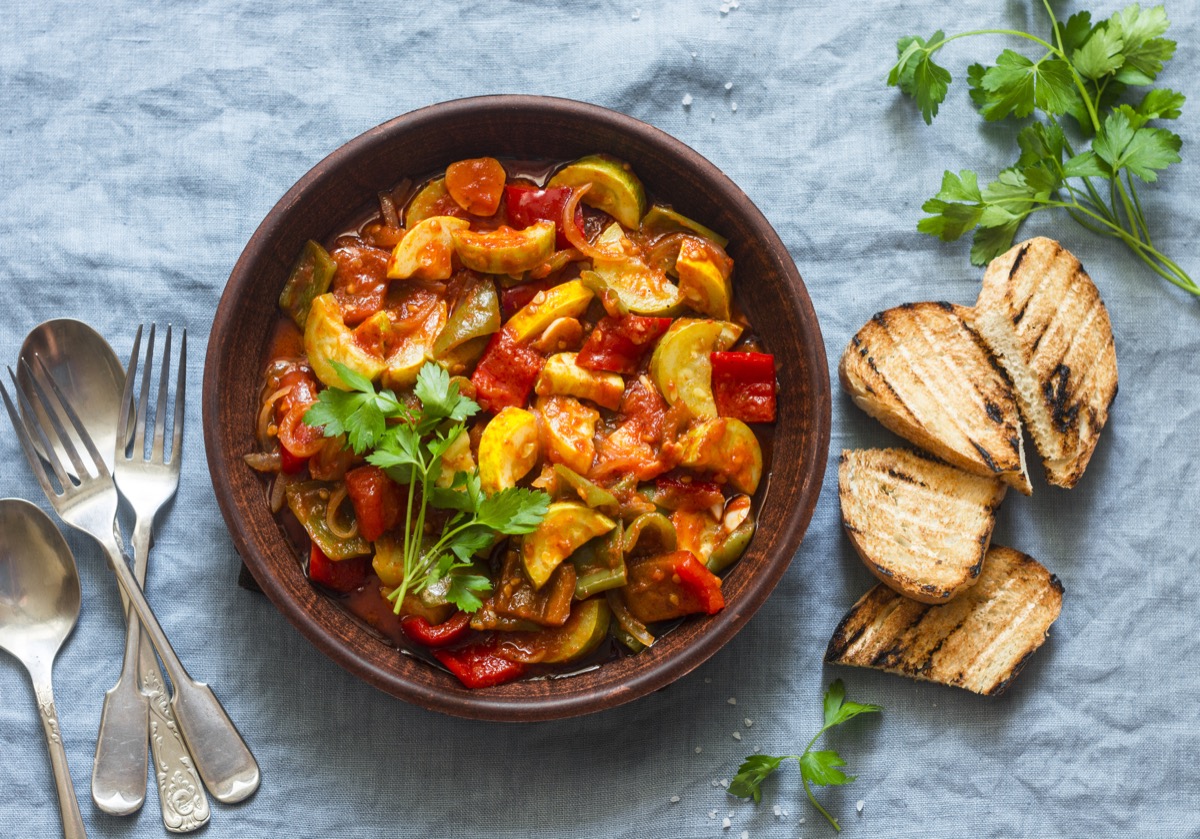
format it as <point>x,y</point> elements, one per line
<point>310,278</point>
<point>477,315</point>
<point>732,547</point>
<point>571,485</point>
<point>309,501</point>
<point>660,530</point>
<point>599,564</point>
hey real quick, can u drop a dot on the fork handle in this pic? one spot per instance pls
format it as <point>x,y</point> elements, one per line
<point>222,758</point>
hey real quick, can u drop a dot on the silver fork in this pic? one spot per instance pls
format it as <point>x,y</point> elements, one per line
<point>119,771</point>
<point>89,504</point>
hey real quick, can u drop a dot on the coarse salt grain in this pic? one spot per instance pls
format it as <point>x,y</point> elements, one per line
<point>724,8</point>
<point>729,85</point>
<point>712,814</point>
<point>732,700</point>
<point>637,14</point>
<point>745,834</point>
<point>733,107</point>
<point>716,782</point>
<point>707,680</point>
<point>749,722</point>
<point>737,735</point>
<point>726,823</point>
<point>859,805</point>
<point>674,799</point>
<point>725,783</point>
<point>687,100</point>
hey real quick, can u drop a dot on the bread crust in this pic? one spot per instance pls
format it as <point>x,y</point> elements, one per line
<point>921,370</point>
<point>980,641</point>
<point>1041,315</point>
<point>921,526</point>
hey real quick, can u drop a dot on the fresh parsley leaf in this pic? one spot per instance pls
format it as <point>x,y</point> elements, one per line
<point>918,75</point>
<point>1075,31</point>
<point>816,767</point>
<point>1016,84</point>
<point>1143,51</point>
<point>353,379</point>
<point>1101,54</point>
<point>513,511</point>
<point>821,768</point>
<point>990,242</point>
<point>755,769</point>
<point>1143,151</point>
<point>465,589</point>
<point>1161,103</point>
<point>439,396</point>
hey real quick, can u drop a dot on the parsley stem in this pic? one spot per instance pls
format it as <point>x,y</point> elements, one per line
<point>1014,32</point>
<point>812,799</point>
<point>1138,205</point>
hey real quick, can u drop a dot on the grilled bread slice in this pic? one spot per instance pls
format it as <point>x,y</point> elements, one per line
<point>978,641</point>
<point>921,370</point>
<point>921,526</point>
<point>1041,316</point>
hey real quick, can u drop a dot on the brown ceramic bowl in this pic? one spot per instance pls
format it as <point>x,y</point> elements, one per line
<point>768,288</point>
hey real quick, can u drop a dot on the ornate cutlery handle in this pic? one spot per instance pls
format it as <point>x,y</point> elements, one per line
<point>68,804</point>
<point>180,791</point>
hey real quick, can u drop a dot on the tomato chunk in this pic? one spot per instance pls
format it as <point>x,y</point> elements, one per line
<point>378,500</point>
<point>341,575</point>
<point>478,666</point>
<point>675,493</point>
<point>289,463</point>
<point>528,204</point>
<point>670,586</point>
<point>477,184</point>
<point>743,385</point>
<point>505,374</point>
<point>617,345</point>
<point>419,629</point>
<point>360,281</point>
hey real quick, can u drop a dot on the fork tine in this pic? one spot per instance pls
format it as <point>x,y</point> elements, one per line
<point>37,378</point>
<point>139,433</point>
<point>177,428</point>
<point>80,431</point>
<point>123,428</point>
<point>23,435</point>
<point>160,411</point>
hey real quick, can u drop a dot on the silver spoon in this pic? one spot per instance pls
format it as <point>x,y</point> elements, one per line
<point>39,604</point>
<point>93,379</point>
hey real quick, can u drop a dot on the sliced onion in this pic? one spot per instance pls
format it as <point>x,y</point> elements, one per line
<point>263,461</point>
<point>264,416</point>
<point>574,234</point>
<point>278,491</point>
<point>665,250</point>
<point>331,515</point>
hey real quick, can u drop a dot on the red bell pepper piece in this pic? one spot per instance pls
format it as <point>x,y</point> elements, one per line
<point>617,345</point>
<point>478,666</point>
<point>670,586</point>
<point>674,493</point>
<point>513,299</point>
<point>289,463</point>
<point>506,373</point>
<point>743,385</point>
<point>343,575</point>
<point>378,500</point>
<point>528,205</point>
<point>419,629</point>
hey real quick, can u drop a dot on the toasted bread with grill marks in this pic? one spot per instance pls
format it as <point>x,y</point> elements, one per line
<point>921,370</point>
<point>978,641</point>
<point>922,527</point>
<point>1041,315</point>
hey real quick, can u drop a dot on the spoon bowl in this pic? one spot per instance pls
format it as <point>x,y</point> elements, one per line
<point>87,370</point>
<point>39,605</point>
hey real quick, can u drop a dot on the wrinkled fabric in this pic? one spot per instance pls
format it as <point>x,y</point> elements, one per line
<point>142,143</point>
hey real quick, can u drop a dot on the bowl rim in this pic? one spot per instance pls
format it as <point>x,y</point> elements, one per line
<point>479,704</point>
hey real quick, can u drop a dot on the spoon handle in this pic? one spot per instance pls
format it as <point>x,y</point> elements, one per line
<point>220,754</point>
<point>119,768</point>
<point>68,804</point>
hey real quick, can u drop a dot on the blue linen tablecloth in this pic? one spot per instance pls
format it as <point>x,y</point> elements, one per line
<point>141,144</point>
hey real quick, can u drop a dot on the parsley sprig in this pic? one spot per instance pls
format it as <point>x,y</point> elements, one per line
<point>1084,71</point>
<point>819,767</point>
<point>409,445</point>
